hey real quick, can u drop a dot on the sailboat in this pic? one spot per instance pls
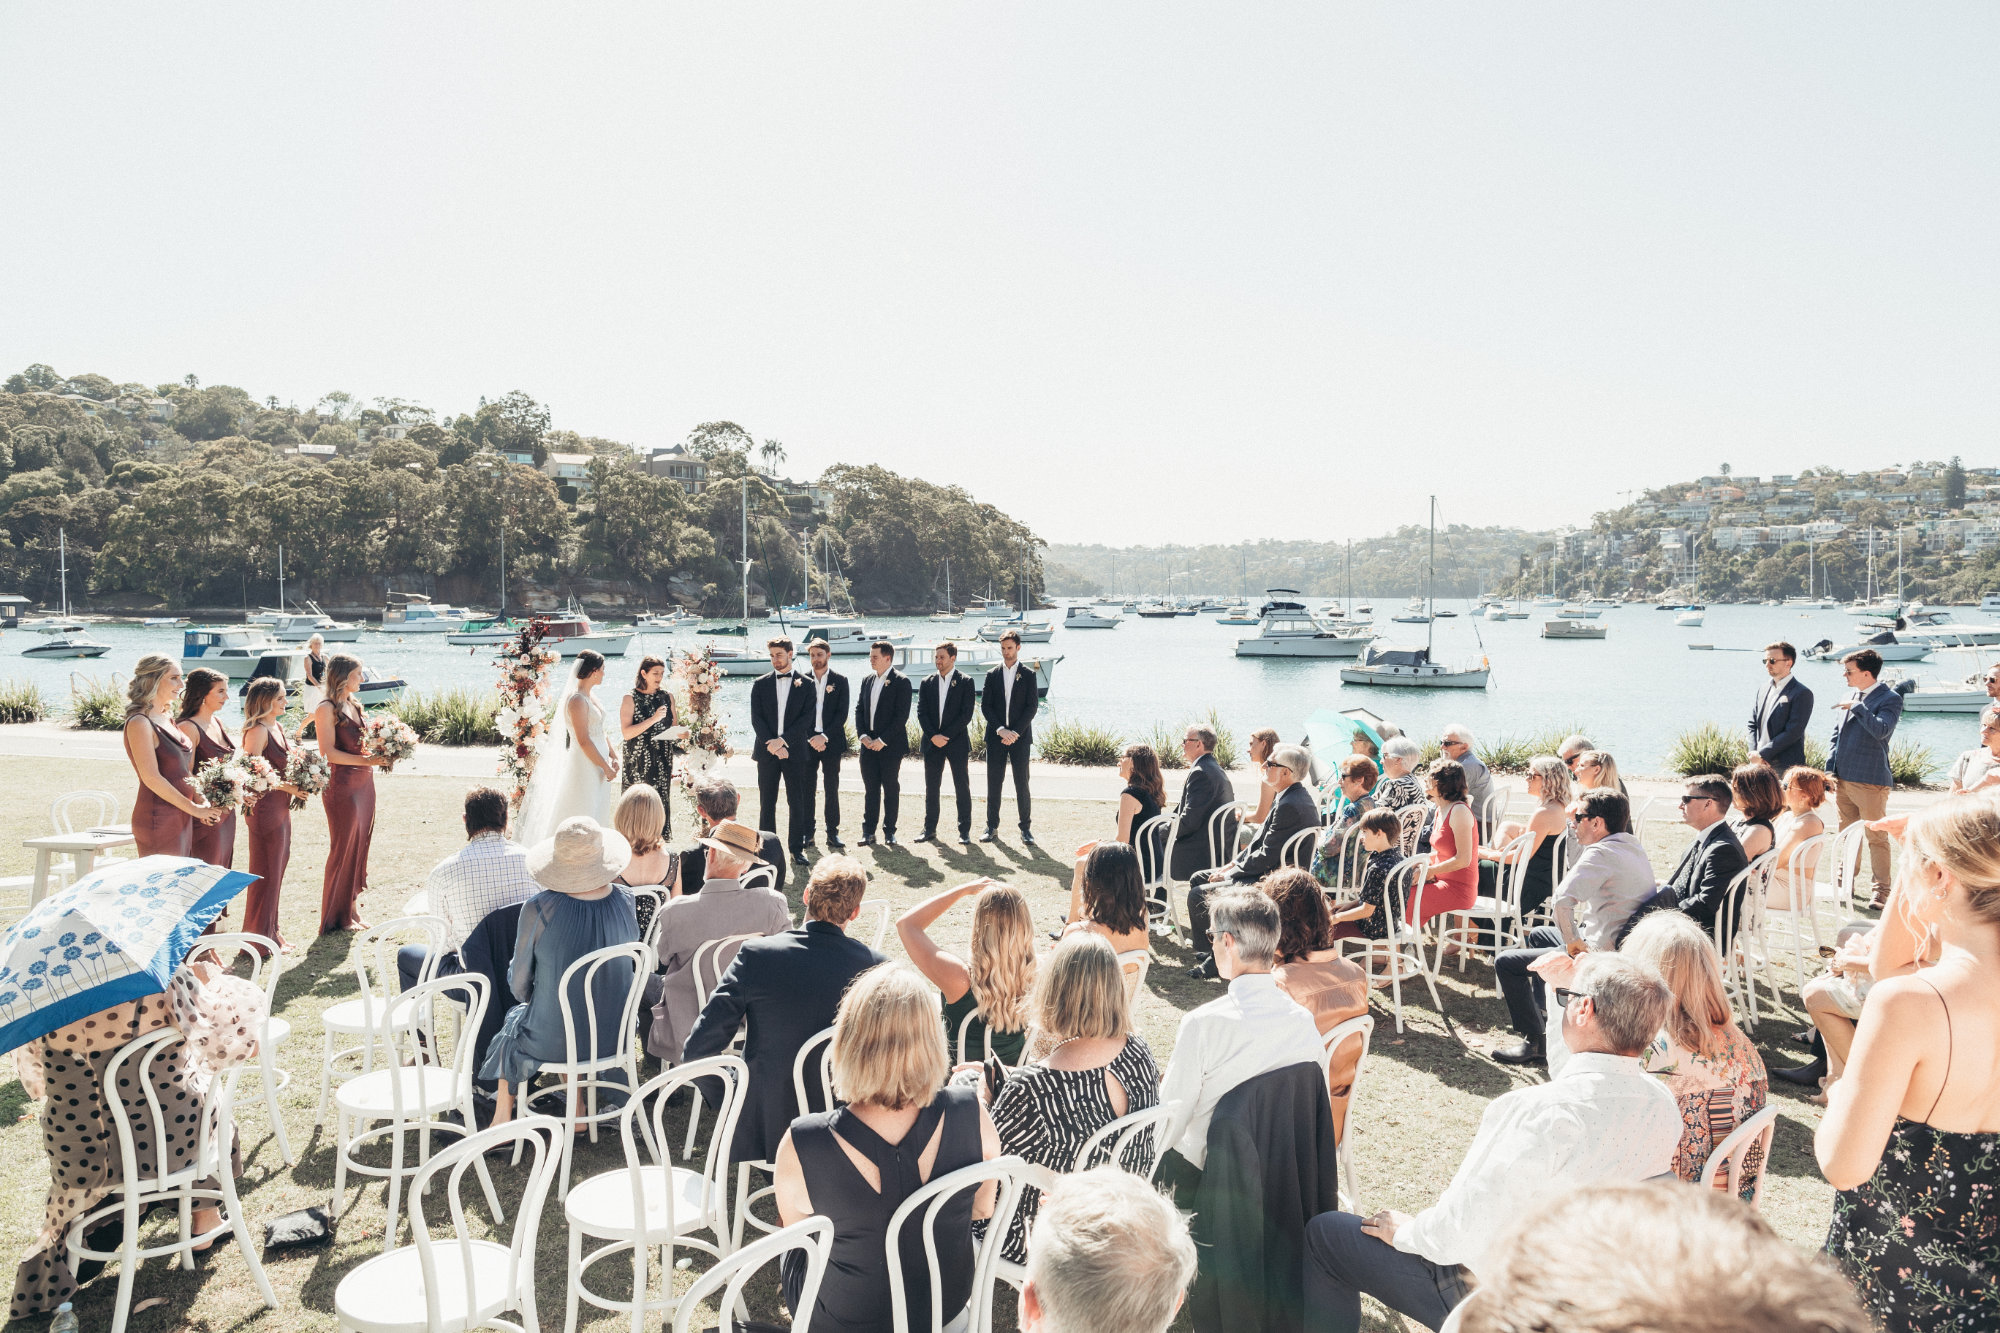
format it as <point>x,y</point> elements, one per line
<point>64,639</point>
<point>1393,665</point>
<point>1872,603</point>
<point>947,616</point>
<point>1813,600</point>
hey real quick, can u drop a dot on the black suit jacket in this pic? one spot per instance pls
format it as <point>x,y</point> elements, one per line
<point>1787,746</point>
<point>1701,881</point>
<point>766,725</point>
<point>1206,790</point>
<point>786,987</point>
<point>1292,811</point>
<point>954,719</point>
<point>770,852</point>
<point>886,720</point>
<point>833,717</point>
<point>993,704</point>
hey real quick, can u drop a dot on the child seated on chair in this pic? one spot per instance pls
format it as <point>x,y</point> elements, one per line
<point>1368,919</point>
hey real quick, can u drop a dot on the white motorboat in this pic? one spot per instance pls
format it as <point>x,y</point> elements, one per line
<point>1690,619</point>
<point>1877,610</point>
<point>1891,646</point>
<point>1578,613</point>
<point>166,622</point>
<point>1091,617</point>
<point>241,652</point>
<point>573,632</point>
<point>1412,666</point>
<point>1032,629</point>
<point>415,613</point>
<point>989,606</point>
<point>299,627</point>
<point>1494,611</point>
<point>63,638</point>
<point>1940,696</point>
<point>1808,604</point>
<point>665,622</point>
<point>1944,632</point>
<point>1572,629</point>
<point>486,629</point>
<point>1238,615</point>
<point>975,659</point>
<point>378,689</point>
<point>849,638</point>
<point>1285,628</point>
<point>1989,602</point>
<point>1601,604</point>
<point>1413,613</point>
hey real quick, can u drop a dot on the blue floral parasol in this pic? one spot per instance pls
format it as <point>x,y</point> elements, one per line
<point>115,935</point>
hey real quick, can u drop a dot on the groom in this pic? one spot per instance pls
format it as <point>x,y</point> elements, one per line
<point>781,717</point>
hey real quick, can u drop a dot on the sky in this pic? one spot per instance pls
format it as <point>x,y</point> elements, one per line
<point>1132,272</point>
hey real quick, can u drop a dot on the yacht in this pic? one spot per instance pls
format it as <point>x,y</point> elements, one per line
<point>1892,647</point>
<point>299,627</point>
<point>1032,629</point>
<point>241,652</point>
<point>63,638</point>
<point>1572,629</point>
<point>486,629</point>
<point>1989,602</point>
<point>1238,615</point>
<point>1944,632</point>
<point>572,632</point>
<point>665,622</point>
<point>378,689</point>
<point>1579,613</point>
<point>849,638</point>
<point>1091,617</point>
<point>165,622</point>
<point>975,659</point>
<point>415,613</point>
<point>1413,613</point>
<point>1494,611</point>
<point>1412,667</point>
<point>989,606</point>
<point>1285,628</point>
<point>1601,604</point>
<point>1690,618</point>
<point>1940,696</point>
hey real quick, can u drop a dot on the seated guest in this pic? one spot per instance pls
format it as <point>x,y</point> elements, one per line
<point>1756,799</point>
<point>1145,790</point>
<point>1604,1119</point>
<point>578,911</point>
<point>1548,787</point>
<point>1206,790</point>
<point>787,988</point>
<point>1596,768</point>
<point>850,1164</point>
<point>486,874</point>
<point>1701,883</point>
<point>1252,1030</point>
<point>641,819</point>
<point>1263,743</point>
<point>1399,786</point>
<point>1097,1070</point>
<point>1312,972</point>
<point>994,980</point>
<point>1597,896</point>
<point>1292,812</point>
<point>1107,896</point>
<point>1979,768</point>
<point>1368,917</point>
<point>1452,881</point>
<point>1728,1273</point>
<point>722,908</point>
<point>715,801</point>
<point>1805,791</point>
<point>1110,1255</point>
<point>1455,743</point>
<point>1706,1061</point>
<point>1833,1002</point>
<point>1366,747</point>
<point>1354,780</point>
<point>1573,747</point>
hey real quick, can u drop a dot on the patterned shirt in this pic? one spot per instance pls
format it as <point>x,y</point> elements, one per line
<point>485,875</point>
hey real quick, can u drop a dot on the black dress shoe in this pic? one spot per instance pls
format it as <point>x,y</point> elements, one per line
<point>1027,837</point>
<point>889,839</point>
<point>1806,1076</point>
<point>835,843</point>
<point>991,835</point>
<point>965,838</point>
<point>1205,971</point>
<point>922,837</point>
<point>1527,1053</point>
<point>865,842</point>
<point>799,859</point>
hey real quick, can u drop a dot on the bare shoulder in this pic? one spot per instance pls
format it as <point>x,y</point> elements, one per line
<point>1907,999</point>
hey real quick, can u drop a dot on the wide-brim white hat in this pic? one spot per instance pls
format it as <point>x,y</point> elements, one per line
<point>581,857</point>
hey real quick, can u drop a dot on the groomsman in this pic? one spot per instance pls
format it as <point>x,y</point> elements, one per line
<point>881,716</point>
<point>826,743</point>
<point>944,715</point>
<point>1008,703</point>
<point>781,716</point>
<point>1783,709</point>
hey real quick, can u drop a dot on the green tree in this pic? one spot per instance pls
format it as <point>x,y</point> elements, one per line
<point>210,414</point>
<point>177,539</point>
<point>479,494</point>
<point>37,376</point>
<point>402,454</point>
<point>342,438</point>
<point>1954,484</point>
<point>515,423</point>
<point>637,526</point>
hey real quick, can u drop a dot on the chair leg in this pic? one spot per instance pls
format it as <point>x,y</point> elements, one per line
<point>339,1158</point>
<point>395,1188</point>
<point>239,1226</point>
<point>640,1278</point>
<point>694,1120</point>
<point>325,1079</point>
<point>128,1267</point>
<point>742,1202</point>
<point>574,1281</point>
<point>268,1069</point>
<point>187,1231</point>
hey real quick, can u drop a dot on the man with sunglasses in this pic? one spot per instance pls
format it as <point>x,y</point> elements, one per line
<point>1978,769</point>
<point>1783,709</point>
<point>1705,881</point>
<point>1859,761</point>
<point>1292,811</point>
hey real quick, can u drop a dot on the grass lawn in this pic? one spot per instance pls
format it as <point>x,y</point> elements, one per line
<point>1416,1109</point>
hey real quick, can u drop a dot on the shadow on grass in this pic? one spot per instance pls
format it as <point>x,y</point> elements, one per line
<point>914,870</point>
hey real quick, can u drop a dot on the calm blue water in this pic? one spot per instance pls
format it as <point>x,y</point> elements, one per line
<point>1630,692</point>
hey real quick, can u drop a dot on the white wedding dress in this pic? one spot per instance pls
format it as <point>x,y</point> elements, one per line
<point>566,783</point>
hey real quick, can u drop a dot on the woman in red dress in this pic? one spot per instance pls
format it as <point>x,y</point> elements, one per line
<point>167,809</point>
<point>270,820</point>
<point>1453,882</point>
<point>349,798</point>
<point>205,696</point>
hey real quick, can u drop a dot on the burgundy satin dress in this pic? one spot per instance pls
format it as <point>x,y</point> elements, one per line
<point>161,829</point>
<point>214,843</point>
<point>270,826</point>
<point>350,821</point>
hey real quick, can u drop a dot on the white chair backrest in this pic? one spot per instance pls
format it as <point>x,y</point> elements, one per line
<point>375,953</point>
<point>423,1031</point>
<point>1361,1029</point>
<point>1847,845</point>
<point>1221,850</point>
<point>581,976</point>
<point>881,910</point>
<point>711,959</point>
<point>1730,1154</point>
<point>1494,812</point>
<point>814,1236</point>
<point>132,1066</point>
<point>1119,1143</point>
<point>1349,859</point>
<point>1514,875</point>
<point>818,1047</point>
<point>227,948</point>
<point>1010,1173</point>
<point>657,896</point>
<point>766,876</point>
<point>1740,902</point>
<point>1135,963</point>
<point>1803,865</point>
<point>1412,819</point>
<point>656,1092</point>
<point>1152,841</point>
<point>1404,898</point>
<point>536,1134</point>
<point>1299,848</point>
<point>1670,810</point>
<point>75,811</point>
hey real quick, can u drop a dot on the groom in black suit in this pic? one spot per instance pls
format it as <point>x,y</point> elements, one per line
<point>781,717</point>
<point>944,716</point>
<point>881,717</point>
<point>1009,702</point>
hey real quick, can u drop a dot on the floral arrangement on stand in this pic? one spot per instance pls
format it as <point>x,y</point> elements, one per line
<point>693,686</point>
<point>309,771</point>
<point>235,781</point>
<point>387,736</point>
<point>524,690</point>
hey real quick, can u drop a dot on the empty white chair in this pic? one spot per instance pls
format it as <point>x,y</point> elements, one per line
<point>1402,952</point>
<point>815,1050</point>
<point>583,1071</point>
<point>436,1028</point>
<point>1135,963</point>
<point>1736,921</point>
<point>368,1019</point>
<point>1360,1029</point>
<point>650,1201</point>
<point>922,1209</point>
<point>78,812</point>
<point>266,966</point>
<point>1221,845</point>
<point>463,1282</point>
<point>814,1236</point>
<point>1848,845</point>
<point>1730,1158</point>
<point>1801,873</point>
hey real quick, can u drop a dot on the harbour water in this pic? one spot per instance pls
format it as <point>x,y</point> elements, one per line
<point>1631,692</point>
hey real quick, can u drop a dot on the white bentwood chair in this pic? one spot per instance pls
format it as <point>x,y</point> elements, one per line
<point>584,1073</point>
<point>1730,1159</point>
<point>814,1051</point>
<point>923,1206</point>
<point>266,966</point>
<point>369,1020</point>
<point>711,959</point>
<point>1360,1029</point>
<point>814,1236</point>
<point>1402,951</point>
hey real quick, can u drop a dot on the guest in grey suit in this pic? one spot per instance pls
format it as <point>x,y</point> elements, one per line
<point>1859,764</point>
<point>1205,791</point>
<point>1455,740</point>
<point>722,908</point>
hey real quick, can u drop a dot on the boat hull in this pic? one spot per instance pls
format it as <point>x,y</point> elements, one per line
<point>1312,648</point>
<point>67,650</point>
<point>286,664</point>
<point>611,645</point>
<point>1569,629</point>
<point>338,634</point>
<point>1419,677</point>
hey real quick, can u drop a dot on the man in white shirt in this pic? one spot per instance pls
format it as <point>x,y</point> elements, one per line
<point>483,876</point>
<point>1604,1118</point>
<point>881,718</point>
<point>1252,1030</point>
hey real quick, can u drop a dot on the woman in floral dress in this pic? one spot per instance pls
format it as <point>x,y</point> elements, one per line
<point>646,719</point>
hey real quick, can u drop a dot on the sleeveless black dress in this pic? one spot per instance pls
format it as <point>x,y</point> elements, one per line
<point>854,1294</point>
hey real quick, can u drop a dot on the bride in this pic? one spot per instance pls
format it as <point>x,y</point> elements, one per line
<point>576,767</point>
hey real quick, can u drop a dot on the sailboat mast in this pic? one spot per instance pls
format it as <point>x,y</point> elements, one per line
<point>1430,582</point>
<point>62,567</point>
<point>746,552</point>
<point>1350,578</point>
<point>281,578</point>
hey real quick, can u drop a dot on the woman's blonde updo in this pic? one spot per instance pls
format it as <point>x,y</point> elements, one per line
<point>1960,836</point>
<point>145,684</point>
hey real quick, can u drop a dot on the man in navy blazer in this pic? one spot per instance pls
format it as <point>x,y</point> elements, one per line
<point>1206,790</point>
<point>1779,718</point>
<point>1008,703</point>
<point>881,717</point>
<point>1700,884</point>
<point>944,716</point>
<point>785,987</point>
<point>1859,763</point>
<point>781,718</point>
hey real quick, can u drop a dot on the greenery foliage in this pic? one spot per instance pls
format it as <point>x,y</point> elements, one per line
<point>454,716</point>
<point>1166,742</point>
<point>96,705</point>
<point>20,701</point>
<point>1710,748</point>
<point>1065,741</point>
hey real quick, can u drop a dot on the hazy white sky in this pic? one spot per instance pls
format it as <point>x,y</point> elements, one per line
<point>1130,271</point>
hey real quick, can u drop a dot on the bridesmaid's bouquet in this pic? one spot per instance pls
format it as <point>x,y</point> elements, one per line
<point>309,771</point>
<point>388,737</point>
<point>234,781</point>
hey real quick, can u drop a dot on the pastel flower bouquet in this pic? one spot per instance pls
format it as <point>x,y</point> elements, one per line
<point>386,736</point>
<point>309,771</point>
<point>234,781</point>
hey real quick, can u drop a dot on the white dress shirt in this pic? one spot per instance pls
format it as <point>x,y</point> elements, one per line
<point>877,682</point>
<point>819,699</point>
<point>943,690</point>
<point>1602,1118</point>
<point>485,875</point>
<point>1771,693</point>
<point>1007,690</point>
<point>784,693</point>
<point>1252,1030</point>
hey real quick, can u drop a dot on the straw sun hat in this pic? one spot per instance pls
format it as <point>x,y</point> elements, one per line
<point>582,857</point>
<point>738,839</point>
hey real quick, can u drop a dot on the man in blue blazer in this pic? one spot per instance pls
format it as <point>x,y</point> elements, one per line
<point>1860,760</point>
<point>1783,709</point>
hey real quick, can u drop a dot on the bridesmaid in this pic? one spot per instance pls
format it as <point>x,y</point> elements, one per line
<point>206,695</point>
<point>645,716</point>
<point>167,809</point>
<point>270,820</point>
<point>349,797</point>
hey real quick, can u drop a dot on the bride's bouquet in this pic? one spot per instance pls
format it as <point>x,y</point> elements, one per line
<point>309,771</point>
<point>386,736</point>
<point>234,781</point>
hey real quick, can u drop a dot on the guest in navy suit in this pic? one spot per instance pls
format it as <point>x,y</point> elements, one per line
<point>1860,760</point>
<point>944,716</point>
<point>881,719</point>
<point>1782,712</point>
<point>781,718</point>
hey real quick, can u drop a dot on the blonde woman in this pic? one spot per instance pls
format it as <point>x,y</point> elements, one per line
<point>349,798</point>
<point>857,1164</point>
<point>995,983</point>
<point>1548,784</point>
<point>1263,743</point>
<point>315,685</point>
<point>1098,1069</point>
<point>270,820</point>
<point>206,694</point>
<point>167,808</point>
<point>1596,768</point>
<point>641,819</point>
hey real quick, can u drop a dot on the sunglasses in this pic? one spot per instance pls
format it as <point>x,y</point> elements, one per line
<point>1690,800</point>
<point>1563,997</point>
